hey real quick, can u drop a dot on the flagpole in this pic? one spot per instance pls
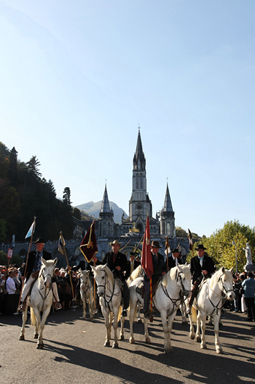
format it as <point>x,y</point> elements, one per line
<point>151,317</point>
<point>69,271</point>
<point>25,270</point>
<point>94,289</point>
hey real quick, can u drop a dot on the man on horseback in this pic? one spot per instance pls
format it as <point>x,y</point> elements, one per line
<point>32,271</point>
<point>117,263</point>
<point>159,269</point>
<point>132,264</point>
<point>202,267</point>
<point>174,259</point>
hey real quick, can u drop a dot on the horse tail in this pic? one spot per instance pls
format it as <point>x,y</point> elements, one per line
<point>32,317</point>
<point>119,314</point>
<point>193,314</point>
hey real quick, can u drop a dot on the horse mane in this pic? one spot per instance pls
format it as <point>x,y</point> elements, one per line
<point>136,273</point>
<point>169,275</point>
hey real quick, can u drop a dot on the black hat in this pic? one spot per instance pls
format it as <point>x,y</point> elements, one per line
<point>155,244</point>
<point>176,250</point>
<point>40,240</point>
<point>200,246</point>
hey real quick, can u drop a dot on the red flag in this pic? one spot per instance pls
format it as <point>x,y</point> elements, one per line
<point>146,262</point>
<point>89,244</point>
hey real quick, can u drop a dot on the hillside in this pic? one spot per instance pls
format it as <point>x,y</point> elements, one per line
<point>93,209</point>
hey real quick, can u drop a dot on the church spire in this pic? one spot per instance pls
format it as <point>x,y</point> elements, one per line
<point>105,207</point>
<point>139,158</point>
<point>168,204</point>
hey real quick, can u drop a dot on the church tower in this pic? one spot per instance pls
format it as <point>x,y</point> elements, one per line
<point>139,203</point>
<point>105,222</point>
<point>167,221</point>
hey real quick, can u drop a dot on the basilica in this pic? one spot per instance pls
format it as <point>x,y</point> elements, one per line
<point>140,207</point>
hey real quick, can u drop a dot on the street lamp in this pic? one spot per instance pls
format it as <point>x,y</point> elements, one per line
<point>236,254</point>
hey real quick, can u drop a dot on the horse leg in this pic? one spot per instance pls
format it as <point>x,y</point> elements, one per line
<point>91,303</point>
<point>36,321</point>
<point>132,306</point>
<point>122,321</point>
<point>167,343</point>
<point>41,328</point>
<point>216,320</point>
<point>146,332</point>
<point>115,327</point>
<point>191,328</point>
<point>108,328</point>
<point>183,312</point>
<point>198,337</point>
<point>24,320</point>
<point>203,327</point>
<point>83,306</point>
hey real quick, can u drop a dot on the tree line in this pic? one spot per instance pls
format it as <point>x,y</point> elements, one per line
<point>24,193</point>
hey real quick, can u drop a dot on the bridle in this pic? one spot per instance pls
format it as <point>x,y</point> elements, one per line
<point>224,293</point>
<point>44,285</point>
<point>105,295</point>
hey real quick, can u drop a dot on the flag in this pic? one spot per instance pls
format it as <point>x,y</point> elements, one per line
<point>61,244</point>
<point>88,245</point>
<point>31,230</point>
<point>190,240</point>
<point>147,262</point>
<point>9,253</point>
<point>167,246</point>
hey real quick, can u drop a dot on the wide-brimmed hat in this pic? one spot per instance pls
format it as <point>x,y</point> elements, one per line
<point>200,246</point>
<point>115,242</point>
<point>155,244</point>
<point>39,240</point>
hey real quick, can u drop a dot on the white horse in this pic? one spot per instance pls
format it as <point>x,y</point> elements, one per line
<point>109,292</point>
<point>169,294</point>
<point>86,291</point>
<point>209,302</point>
<point>40,301</point>
<point>138,272</point>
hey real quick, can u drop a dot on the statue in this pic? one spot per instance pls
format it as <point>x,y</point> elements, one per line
<point>249,265</point>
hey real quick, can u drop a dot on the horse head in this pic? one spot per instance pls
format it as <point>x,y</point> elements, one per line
<point>47,270</point>
<point>100,273</point>
<point>183,277</point>
<point>84,279</point>
<point>226,279</point>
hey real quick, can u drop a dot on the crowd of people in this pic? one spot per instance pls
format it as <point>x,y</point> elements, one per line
<point>66,287</point>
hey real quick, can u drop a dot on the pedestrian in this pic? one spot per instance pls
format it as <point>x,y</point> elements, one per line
<point>249,293</point>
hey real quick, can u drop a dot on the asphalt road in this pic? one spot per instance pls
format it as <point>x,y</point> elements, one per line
<point>74,353</point>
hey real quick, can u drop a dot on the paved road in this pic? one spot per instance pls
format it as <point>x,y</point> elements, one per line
<point>74,353</point>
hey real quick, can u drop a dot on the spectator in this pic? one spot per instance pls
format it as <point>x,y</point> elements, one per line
<point>12,297</point>
<point>237,290</point>
<point>249,293</point>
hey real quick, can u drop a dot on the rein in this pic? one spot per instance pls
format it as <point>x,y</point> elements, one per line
<point>107,303</point>
<point>43,287</point>
<point>181,293</point>
<point>224,291</point>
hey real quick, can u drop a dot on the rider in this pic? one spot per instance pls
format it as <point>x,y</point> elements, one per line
<point>201,266</point>
<point>33,267</point>
<point>175,259</point>
<point>117,262</point>
<point>159,269</point>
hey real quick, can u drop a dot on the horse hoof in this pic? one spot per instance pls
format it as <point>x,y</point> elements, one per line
<point>169,350</point>
<point>184,322</point>
<point>192,336</point>
<point>40,346</point>
<point>219,350</point>
<point>198,339</point>
<point>22,337</point>
<point>122,337</point>
<point>147,340</point>
<point>139,320</point>
<point>131,340</point>
<point>115,345</point>
<point>107,344</point>
<point>36,336</point>
<point>203,346</point>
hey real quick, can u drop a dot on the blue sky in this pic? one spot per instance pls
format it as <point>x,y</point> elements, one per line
<point>79,77</point>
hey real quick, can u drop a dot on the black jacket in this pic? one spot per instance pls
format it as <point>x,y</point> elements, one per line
<point>31,260</point>
<point>171,262</point>
<point>196,269</point>
<point>120,261</point>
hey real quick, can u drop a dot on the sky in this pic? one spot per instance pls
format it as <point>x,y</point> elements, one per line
<point>77,79</point>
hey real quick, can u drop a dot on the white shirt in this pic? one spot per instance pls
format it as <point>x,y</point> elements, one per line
<point>10,286</point>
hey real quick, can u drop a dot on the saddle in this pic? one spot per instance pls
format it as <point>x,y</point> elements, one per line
<point>141,289</point>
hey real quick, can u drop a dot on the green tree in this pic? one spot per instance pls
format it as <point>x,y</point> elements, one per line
<point>77,213</point>
<point>67,196</point>
<point>13,167</point>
